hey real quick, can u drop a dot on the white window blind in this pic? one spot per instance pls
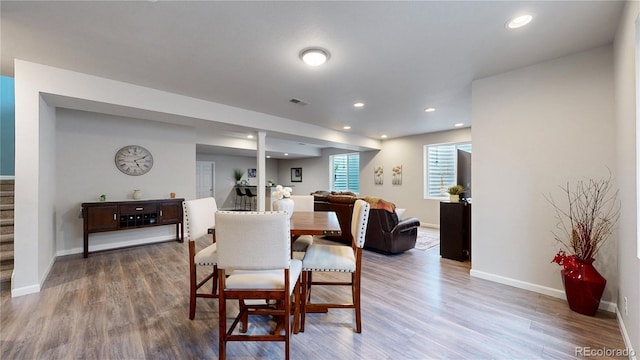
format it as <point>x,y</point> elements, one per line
<point>345,172</point>
<point>441,168</point>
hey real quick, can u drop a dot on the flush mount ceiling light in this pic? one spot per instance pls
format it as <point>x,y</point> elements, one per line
<point>346,127</point>
<point>249,136</point>
<point>430,109</point>
<point>314,56</point>
<point>458,125</point>
<point>358,105</point>
<point>519,21</point>
<point>383,136</point>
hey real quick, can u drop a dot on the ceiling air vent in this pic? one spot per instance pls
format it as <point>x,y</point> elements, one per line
<point>298,101</point>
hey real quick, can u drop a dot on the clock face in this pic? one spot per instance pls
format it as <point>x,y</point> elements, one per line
<point>134,160</point>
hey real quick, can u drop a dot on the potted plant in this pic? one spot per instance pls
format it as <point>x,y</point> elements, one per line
<point>585,222</point>
<point>454,193</point>
<point>237,174</point>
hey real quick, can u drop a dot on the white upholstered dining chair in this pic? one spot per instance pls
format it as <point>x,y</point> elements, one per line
<point>302,203</point>
<point>337,258</point>
<point>199,217</point>
<point>257,247</point>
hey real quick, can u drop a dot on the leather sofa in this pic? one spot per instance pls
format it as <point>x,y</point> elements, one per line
<point>385,232</point>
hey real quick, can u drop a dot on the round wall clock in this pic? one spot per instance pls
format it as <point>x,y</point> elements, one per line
<point>134,160</point>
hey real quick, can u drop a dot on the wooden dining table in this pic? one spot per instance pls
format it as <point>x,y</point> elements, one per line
<point>315,223</point>
<point>311,223</point>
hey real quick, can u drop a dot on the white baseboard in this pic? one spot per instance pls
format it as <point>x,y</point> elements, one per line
<point>116,245</point>
<point>625,336</point>
<point>433,226</point>
<point>31,289</point>
<point>604,305</point>
<point>46,272</point>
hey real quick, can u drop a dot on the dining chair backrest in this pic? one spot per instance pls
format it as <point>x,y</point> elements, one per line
<point>359,221</point>
<point>253,240</point>
<point>199,217</point>
<point>302,202</point>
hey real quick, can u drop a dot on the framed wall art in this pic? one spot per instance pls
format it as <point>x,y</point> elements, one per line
<point>296,174</point>
<point>397,175</point>
<point>377,175</point>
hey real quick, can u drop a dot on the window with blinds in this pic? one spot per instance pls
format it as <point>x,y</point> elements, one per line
<point>441,167</point>
<point>345,172</point>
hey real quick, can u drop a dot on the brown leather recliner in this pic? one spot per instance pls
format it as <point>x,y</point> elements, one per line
<point>386,234</point>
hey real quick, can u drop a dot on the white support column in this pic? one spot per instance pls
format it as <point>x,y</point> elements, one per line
<point>261,170</point>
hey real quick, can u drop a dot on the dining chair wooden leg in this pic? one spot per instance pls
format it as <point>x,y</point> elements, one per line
<point>222,319</point>
<point>305,297</point>
<point>214,284</point>
<point>192,292</point>
<point>244,320</point>
<point>356,301</point>
<point>296,307</point>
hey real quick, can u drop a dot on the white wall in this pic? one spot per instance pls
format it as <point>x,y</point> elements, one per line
<point>626,141</point>
<point>34,195</point>
<point>85,169</point>
<point>535,129</point>
<point>408,152</point>
<point>315,172</point>
<point>225,181</point>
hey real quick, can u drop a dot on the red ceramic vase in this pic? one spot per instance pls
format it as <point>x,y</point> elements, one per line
<point>584,287</point>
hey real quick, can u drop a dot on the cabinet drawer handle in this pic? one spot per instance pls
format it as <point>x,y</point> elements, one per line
<point>139,209</point>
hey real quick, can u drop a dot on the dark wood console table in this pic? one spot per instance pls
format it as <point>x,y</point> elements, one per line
<point>105,216</point>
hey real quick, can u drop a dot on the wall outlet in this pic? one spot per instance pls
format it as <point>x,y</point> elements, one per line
<point>626,308</point>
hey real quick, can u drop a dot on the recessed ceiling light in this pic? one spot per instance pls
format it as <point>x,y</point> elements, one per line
<point>519,21</point>
<point>358,105</point>
<point>314,56</point>
<point>249,136</point>
<point>346,127</point>
<point>383,136</point>
<point>430,109</point>
<point>458,124</point>
<point>268,156</point>
<point>286,154</point>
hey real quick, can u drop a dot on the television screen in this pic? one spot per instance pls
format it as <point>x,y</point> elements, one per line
<point>464,173</point>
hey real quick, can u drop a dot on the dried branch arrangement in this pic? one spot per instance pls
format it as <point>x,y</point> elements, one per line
<point>588,218</point>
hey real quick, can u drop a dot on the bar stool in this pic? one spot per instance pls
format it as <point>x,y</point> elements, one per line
<point>240,198</point>
<point>251,198</point>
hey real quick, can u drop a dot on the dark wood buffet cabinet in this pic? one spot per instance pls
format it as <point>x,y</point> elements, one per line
<point>105,216</point>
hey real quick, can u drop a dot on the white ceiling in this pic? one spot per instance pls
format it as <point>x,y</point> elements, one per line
<point>396,57</point>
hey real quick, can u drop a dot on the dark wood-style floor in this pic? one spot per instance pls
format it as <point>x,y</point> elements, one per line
<point>133,304</point>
